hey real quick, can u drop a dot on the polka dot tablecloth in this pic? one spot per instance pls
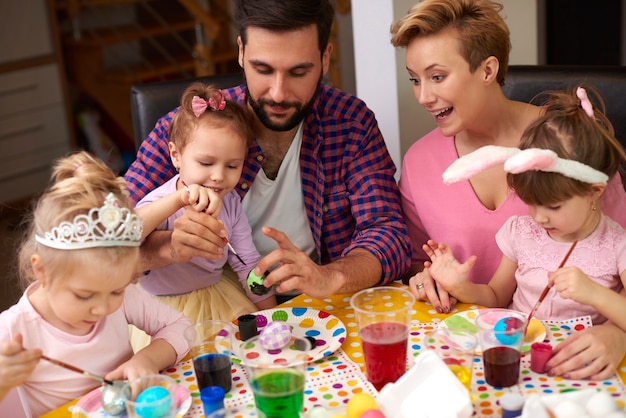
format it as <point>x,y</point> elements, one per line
<point>330,382</point>
<point>485,397</point>
<point>333,379</point>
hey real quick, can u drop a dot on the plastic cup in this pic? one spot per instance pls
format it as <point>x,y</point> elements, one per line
<point>210,344</point>
<point>277,377</point>
<point>501,335</point>
<point>456,347</point>
<point>152,396</point>
<point>383,316</point>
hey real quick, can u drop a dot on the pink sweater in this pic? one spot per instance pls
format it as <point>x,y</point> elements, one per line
<point>453,213</point>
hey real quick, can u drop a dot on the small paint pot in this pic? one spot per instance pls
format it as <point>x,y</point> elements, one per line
<point>540,353</point>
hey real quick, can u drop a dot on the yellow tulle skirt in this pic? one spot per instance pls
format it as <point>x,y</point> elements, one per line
<point>224,300</point>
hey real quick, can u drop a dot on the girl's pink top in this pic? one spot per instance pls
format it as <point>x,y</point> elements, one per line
<point>601,256</point>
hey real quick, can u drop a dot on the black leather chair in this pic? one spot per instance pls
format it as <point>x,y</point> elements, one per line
<point>150,101</point>
<point>525,82</point>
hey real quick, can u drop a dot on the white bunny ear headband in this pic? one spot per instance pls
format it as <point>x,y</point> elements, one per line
<point>518,161</point>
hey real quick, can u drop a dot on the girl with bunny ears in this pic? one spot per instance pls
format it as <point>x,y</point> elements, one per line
<point>560,171</point>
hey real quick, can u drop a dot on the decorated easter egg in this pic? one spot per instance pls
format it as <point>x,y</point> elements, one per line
<point>359,404</point>
<point>275,335</point>
<point>508,325</point>
<point>147,405</point>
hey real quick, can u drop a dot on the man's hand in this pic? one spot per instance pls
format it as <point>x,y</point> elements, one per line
<point>195,234</point>
<point>294,270</point>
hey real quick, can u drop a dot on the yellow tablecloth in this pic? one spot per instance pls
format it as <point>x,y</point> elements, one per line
<point>424,317</point>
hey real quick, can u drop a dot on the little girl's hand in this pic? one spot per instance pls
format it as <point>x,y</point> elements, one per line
<point>202,199</point>
<point>16,363</point>
<point>571,283</point>
<point>132,369</point>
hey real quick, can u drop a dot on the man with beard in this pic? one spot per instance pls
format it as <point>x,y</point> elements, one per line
<point>318,183</point>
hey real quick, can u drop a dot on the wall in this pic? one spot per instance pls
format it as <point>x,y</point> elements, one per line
<point>380,74</point>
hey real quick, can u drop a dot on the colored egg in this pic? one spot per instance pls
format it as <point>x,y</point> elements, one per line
<point>360,403</point>
<point>373,413</point>
<point>508,324</point>
<point>275,335</point>
<point>154,402</point>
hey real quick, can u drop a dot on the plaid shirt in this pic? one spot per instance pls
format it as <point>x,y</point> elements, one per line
<point>350,194</point>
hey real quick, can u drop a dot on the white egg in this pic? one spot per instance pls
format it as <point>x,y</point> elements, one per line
<point>569,409</point>
<point>600,404</point>
<point>616,414</point>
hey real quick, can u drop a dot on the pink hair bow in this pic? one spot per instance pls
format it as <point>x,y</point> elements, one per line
<point>518,161</point>
<point>199,105</point>
<point>584,101</point>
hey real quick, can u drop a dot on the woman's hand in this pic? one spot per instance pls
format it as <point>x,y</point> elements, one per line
<point>593,353</point>
<point>424,287</point>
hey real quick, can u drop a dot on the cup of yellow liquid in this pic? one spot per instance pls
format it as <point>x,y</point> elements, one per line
<point>456,347</point>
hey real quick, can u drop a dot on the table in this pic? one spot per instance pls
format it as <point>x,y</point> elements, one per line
<point>333,379</point>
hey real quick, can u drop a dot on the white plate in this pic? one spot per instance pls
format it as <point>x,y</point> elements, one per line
<point>467,320</point>
<point>328,330</point>
<point>90,405</point>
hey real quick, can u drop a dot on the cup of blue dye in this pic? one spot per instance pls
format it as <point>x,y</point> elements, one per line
<point>152,396</point>
<point>210,344</point>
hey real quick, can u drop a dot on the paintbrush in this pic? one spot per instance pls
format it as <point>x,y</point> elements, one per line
<point>232,250</point>
<point>77,370</point>
<point>547,288</point>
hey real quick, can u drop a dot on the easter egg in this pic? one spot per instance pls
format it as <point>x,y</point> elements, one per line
<point>147,404</point>
<point>359,404</point>
<point>275,335</point>
<point>373,413</point>
<point>508,325</point>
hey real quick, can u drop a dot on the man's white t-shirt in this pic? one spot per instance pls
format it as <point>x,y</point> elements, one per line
<point>279,203</point>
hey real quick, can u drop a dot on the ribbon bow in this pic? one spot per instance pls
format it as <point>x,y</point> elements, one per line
<point>518,161</point>
<point>199,105</point>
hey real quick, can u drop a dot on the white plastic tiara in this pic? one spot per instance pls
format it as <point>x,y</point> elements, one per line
<point>106,226</point>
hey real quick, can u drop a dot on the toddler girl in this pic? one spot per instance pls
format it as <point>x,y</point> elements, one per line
<point>208,144</point>
<point>79,257</point>
<point>560,171</point>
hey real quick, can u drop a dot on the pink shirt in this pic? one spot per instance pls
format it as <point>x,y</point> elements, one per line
<point>453,213</point>
<point>601,256</point>
<point>102,350</point>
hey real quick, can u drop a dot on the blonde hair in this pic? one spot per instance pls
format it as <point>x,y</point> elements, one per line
<point>481,30</point>
<point>234,115</point>
<point>79,183</point>
<point>571,133</point>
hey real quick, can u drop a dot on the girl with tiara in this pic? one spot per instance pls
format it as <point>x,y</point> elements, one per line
<point>78,259</point>
<point>560,171</point>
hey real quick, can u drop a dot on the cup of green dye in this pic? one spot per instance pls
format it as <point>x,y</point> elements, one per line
<point>277,377</point>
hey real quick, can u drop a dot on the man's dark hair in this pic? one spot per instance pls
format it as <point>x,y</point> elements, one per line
<point>285,16</point>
